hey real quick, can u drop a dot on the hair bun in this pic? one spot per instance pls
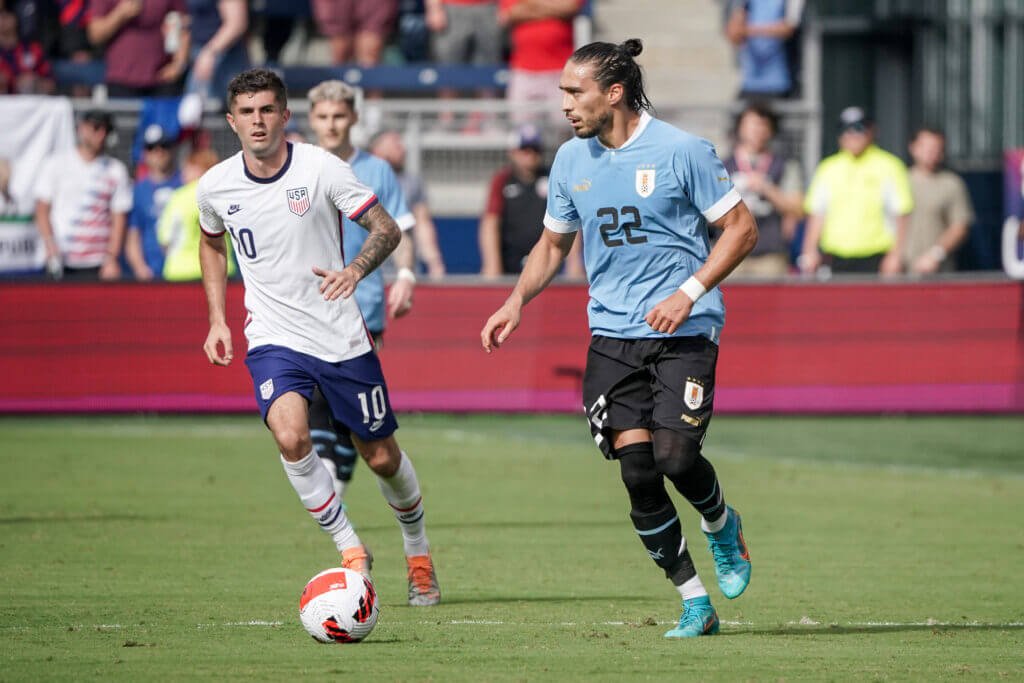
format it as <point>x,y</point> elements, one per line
<point>632,47</point>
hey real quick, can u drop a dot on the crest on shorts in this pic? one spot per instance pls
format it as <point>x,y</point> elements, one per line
<point>693,395</point>
<point>267,389</point>
<point>298,200</point>
<point>645,182</point>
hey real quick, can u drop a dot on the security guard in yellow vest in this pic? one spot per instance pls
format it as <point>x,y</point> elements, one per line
<point>857,205</point>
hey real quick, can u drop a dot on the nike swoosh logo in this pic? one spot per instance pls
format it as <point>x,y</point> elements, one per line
<point>234,209</point>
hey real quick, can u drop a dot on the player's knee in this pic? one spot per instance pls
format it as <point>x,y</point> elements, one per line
<point>642,481</point>
<point>674,453</point>
<point>383,456</point>
<point>295,444</point>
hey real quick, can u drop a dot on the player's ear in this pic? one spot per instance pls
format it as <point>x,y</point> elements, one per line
<point>614,93</point>
<point>231,121</point>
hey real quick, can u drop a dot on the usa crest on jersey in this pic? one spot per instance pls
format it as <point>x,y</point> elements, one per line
<point>645,182</point>
<point>298,200</point>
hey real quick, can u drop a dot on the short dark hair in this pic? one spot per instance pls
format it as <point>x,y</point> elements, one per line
<point>934,130</point>
<point>615,64</point>
<point>257,80</point>
<point>760,110</point>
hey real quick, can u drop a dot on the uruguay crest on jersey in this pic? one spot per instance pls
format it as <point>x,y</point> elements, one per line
<point>645,181</point>
<point>298,200</point>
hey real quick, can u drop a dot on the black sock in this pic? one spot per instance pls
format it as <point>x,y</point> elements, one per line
<point>679,458</point>
<point>654,517</point>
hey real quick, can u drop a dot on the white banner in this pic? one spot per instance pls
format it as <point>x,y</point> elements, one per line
<point>33,128</point>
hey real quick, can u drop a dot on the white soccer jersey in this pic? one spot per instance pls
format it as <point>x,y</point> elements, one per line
<point>83,196</point>
<point>281,227</point>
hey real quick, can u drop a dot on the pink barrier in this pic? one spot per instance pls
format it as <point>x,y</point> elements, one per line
<point>787,348</point>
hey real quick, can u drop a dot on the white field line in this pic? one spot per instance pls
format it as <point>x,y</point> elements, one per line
<point>804,621</point>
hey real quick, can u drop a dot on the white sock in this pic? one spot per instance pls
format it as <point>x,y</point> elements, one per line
<point>692,588</point>
<point>715,526</point>
<point>402,491</point>
<point>315,486</point>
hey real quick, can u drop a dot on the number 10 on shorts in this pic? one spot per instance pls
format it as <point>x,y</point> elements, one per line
<point>375,402</point>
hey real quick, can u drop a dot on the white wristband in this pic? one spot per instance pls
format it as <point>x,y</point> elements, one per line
<point>938,253</point>
<point>693,289</point>
<point>406,274</point>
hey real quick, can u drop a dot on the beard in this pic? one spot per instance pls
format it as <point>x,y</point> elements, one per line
<point>594,128</point>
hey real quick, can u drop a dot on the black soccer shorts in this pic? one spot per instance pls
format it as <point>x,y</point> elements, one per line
<point>650,384</point>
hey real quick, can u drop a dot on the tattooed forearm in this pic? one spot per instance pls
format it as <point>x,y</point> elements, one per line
<point>382,240</point>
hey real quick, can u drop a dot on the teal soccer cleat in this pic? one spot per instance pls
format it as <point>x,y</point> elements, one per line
<point>699,619</point>
<point>732,559</point>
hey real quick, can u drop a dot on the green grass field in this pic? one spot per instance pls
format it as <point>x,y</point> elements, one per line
<point>144,549</point>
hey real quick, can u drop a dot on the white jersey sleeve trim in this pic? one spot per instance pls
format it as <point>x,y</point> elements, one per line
<point>555,225</point>
<point>722,206</point>
<point>406,222</point>
<point>209,232</point>
<point>367,205</point>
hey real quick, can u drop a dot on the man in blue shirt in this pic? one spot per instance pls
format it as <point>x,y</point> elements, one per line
<point>332,115</point>
<point>644,193</point>
<point>142,249</point>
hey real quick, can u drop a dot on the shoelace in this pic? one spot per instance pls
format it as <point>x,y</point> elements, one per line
<point>724,552</point>
<point>421,577</point>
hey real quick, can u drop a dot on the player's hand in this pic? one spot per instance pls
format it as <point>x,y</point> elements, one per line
<point>500,325</point>
<point>890,263</point>
<point>219,336</point>
<point>337,283</point>
<point>400,298</point>
<point>668,315</point>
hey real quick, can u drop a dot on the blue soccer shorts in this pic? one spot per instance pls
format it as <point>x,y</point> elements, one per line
<point>354,388</point>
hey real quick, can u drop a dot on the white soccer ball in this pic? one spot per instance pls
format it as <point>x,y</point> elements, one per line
<point>338,606</point>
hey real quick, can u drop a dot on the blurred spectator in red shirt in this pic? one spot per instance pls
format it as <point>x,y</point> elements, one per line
<point>356,28</point>
<point>147,45</point>
<point>23,66</point>
<point>542,41</point>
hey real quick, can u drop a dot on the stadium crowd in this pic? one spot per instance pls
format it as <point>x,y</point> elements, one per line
<point>894,221</point>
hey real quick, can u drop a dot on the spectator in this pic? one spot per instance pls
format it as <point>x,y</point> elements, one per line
<point>356,28</point>
<point>942,214</point>
<point>72,38</point>
<point>389,146</point>
<point>23,66</point>
<point>858,204</point>
<point>464,32</point>
<point>770,185</point>
<point>179,230</point>
<point>146,45</point>
<point>217,44</point>
<point>760,30</point>
<point>541,34</point>
<point>514,217</point>
<point>83,198</point>
<point>143,251</point>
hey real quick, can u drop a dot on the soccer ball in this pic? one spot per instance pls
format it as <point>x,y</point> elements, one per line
<point>338,606</point>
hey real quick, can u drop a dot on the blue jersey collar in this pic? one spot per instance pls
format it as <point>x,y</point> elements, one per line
<point>645,120</point>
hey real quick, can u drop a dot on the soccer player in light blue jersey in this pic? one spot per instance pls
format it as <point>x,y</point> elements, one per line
<point>644,193</point>
<point>332,115</point>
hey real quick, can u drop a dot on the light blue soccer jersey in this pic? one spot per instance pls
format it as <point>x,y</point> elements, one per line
<point>644,210</point>
<point>376,174</point>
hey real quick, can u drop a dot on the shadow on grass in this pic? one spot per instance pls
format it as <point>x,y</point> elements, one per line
<point>499,524</point>
<point>541,599</point>
<point>865,629</point>
<point>73,518</point>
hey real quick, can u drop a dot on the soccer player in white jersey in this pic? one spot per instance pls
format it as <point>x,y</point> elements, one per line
<point>644,193</point>
<point>282,204</point>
